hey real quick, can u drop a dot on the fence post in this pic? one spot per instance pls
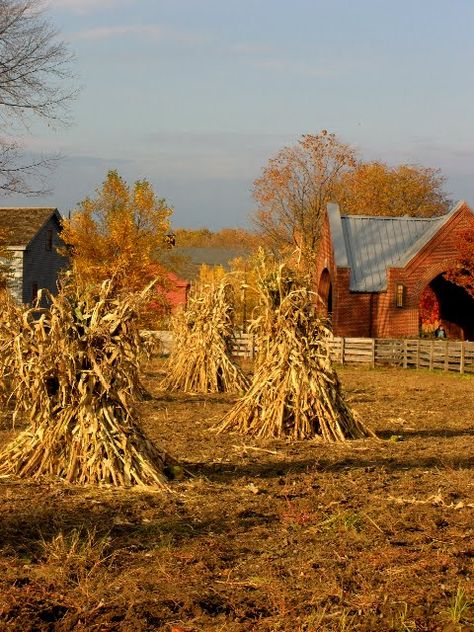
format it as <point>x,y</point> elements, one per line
<point>463,357</point>
<point>431,355</point>
<point>405,354</point>
<point>343,349</point>
<point>373,353</point>
<point>418,354</point>
<point>446,356</point>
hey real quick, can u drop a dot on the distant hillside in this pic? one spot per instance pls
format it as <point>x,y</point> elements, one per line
<point>186,261</point>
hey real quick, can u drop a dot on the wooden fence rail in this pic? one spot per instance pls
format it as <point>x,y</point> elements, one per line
<point>446,355</point>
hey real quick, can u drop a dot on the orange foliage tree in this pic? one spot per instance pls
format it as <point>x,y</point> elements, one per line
<point>223,238</point>
<point>462,273</point>
<point>429,311</point>
<point>294,189</point>
<point>118,234</point>
<point>375,188</point>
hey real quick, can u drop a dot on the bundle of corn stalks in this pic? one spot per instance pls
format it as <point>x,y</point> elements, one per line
<point>200,361</point>
<point>11,318</point>
<point>295,391</point>
<point>77,369</point>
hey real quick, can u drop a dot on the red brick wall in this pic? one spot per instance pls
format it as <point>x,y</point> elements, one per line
<point>436,257</point>
<point>363,314</point>
<point>177,291</point>
<point>353,316</point>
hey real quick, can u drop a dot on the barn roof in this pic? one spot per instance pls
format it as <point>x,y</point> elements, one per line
<point>22,223</point>
<point>370,245</point>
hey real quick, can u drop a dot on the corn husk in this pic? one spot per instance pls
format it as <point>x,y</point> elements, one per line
<point>77,376</point>
<point>295,391</point>
<point>203,334</point>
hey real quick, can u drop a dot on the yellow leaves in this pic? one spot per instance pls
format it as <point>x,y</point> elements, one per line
<point>237,238</point>
<point>118,233</point>
<point>295,187</point>
<point>211,275</point>
<point>375,188</point>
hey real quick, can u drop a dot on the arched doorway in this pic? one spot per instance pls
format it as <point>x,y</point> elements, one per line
<point>325,292</point>
<point>443,302</point>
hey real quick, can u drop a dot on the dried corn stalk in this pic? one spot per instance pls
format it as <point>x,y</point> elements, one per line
<point>295,391</point>
<point>11,317</point>
<point>77,370</point>
<point>203,334</point>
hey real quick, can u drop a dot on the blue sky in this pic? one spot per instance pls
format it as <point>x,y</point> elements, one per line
<point>196,95</point>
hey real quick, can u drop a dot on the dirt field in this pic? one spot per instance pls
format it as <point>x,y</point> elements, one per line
<point>266,536</point>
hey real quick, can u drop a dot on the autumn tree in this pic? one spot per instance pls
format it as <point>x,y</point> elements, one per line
<point>117,234</point>
<point>294,189</point>
<point>238,238</point>
<point>36,82</point>
<point>462,273</point>
<point>375,188</point>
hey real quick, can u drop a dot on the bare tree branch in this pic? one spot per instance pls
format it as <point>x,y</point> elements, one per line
<point>294,189</point>
<point>36,82</point>
<point>18,175</point>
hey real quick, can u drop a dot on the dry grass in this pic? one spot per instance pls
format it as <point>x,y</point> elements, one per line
<point>73,557</point>
<point>268,535</point>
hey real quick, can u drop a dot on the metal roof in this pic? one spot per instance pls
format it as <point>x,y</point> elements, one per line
<point>370,245</point>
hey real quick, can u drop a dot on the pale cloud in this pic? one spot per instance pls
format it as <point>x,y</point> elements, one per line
<point>250,48</point>
<point>298,68</point>
<point>85,6</point>
<point>151,31</point>
<point>266,57</point>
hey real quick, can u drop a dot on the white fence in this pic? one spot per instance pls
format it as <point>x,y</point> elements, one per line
<point>446,355</point>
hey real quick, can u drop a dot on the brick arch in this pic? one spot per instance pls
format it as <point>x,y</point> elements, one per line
<point>456,307</point>
<point>433,272</point>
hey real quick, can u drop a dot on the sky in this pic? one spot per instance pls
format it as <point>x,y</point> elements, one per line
<point>197,95</point>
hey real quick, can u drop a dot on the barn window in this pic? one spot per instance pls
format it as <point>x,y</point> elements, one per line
<point>49,240</point>
<point>400,295</point>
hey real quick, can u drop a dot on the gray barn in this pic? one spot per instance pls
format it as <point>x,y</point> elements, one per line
<point>33,239</point>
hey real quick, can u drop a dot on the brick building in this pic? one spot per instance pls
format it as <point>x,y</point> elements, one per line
<point>177,291</point>
<point>373,271</point>
<point>32,239</point>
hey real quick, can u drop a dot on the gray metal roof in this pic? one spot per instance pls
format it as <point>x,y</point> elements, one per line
<point>370,245</point>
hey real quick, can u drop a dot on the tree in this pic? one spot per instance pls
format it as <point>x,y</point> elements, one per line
<point>462,273</point>
<point>35,83</point>
<point>238,238</point>
<point>296,186</point>
<point>117,234</point>
<point>375,188</point>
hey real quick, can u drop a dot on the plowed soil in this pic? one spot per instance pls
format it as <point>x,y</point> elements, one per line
<point>370,535</point>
